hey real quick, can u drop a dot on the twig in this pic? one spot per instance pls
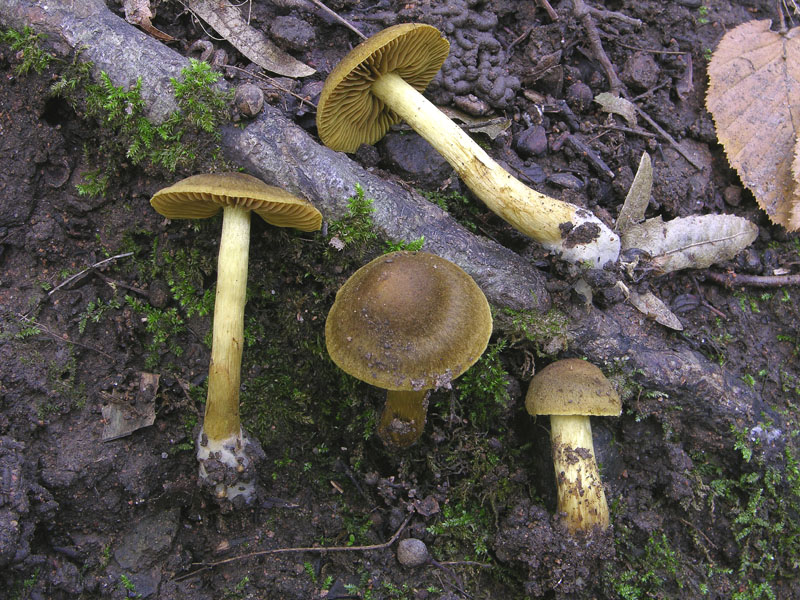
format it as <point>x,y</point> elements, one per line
<point>685,522</point>
<point>763,281</point>
<point>386,544</point>
<point>669,138</point>
<point>613,14</point>
<point>274,83</point>
<point>342,20</point>
<point>61,337</point>
<point>589,154</point>
<point>584,14</point>
<point>550,11</point>
<point>86,270</point>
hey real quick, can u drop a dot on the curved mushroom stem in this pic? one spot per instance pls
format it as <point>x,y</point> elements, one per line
<point>403,417</point>
<point>580,491</point>
<point>573,232</point>
<point>222,439</point>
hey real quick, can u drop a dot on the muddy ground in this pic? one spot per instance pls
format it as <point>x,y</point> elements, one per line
<point>701,516</point>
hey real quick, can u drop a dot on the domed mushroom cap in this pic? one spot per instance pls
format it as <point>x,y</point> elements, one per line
<point>202,196</point>
<point>408,321</point>
<point>348,114</point>
<point>572,387</point>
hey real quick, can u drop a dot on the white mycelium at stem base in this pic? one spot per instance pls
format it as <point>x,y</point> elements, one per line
<point>222,437</point>
<point>580,491</point>
<point>538,216</point>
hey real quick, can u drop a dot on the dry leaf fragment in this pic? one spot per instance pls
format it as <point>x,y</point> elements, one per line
<point>137,12</point>
<point>228,22</point>
<point>694,242</point>
<point>652,306</point>
<point>754,97</point>
<point>620,106</point>
<point>638,197</point>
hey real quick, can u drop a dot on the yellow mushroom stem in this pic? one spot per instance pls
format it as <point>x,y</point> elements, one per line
<point>224,374</point>
<point>403,417</point>
<point>538,216</point>
<point>580,491</point>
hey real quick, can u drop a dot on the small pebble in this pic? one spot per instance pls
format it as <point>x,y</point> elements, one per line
<point>412,552</point>
<point>249,99</point>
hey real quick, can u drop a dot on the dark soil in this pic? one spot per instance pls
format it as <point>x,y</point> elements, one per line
<point>712,516</point>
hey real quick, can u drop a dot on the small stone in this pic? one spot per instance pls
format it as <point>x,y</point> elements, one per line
<point>566,181</point>
<point>579,96</point>
<point>532,141</point>
<point>641,71</point>
<point>732,195</point>
<point>412,552</point>
<point>292,33</point>
<point>249,99</point>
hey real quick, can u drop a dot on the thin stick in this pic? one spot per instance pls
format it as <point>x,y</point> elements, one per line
<point>550,11</point>
<point>61,337</point>
<point>273,82</point>
<point>86,270</point>
<point>386,544</point>
<point>584,14</point>
<point>669,138</point>
<point>762,281</point>
<point>342,20</point>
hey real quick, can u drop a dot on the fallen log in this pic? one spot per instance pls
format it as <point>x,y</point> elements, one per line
<point>709,397</point>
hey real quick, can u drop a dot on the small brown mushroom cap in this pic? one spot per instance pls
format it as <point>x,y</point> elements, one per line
<point>572,387</point>
<point>408,321</point>
<point>202,196</point>
<point>348,114</point>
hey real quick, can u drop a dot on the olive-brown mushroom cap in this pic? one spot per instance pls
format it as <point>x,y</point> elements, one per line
<point>202,196</point>
<point>408,321</point>
<point>572,387</point>
<point>348,114</point>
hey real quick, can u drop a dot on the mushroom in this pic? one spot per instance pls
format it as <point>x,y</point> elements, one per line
<point>407,322</point>
<point>222,439</point>
<point>380,82</point>
<point>570,391</point>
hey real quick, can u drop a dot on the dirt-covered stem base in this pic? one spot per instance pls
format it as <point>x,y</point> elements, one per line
<point>403,418</point>
<point>581,498</point>
<point>541,217</point>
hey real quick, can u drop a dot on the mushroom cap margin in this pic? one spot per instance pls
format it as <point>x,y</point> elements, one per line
<point>572,387</point>
<point>348,115</point>
<point>202,196</point>
<point>408,321</point>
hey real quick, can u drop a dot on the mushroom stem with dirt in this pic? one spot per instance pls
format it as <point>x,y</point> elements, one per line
<point>224,450</point>
<point>380,82</point>
<point>571,391</point>
<point>407,322</point>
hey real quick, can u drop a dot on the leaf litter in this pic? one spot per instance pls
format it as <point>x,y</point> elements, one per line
<point>754,97</point>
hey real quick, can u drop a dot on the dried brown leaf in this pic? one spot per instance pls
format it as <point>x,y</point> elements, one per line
<point>638,197</point>
<point>228,22</point>
<point>694,242</point>
<point>754,97</point>
<point>652,306</point>
<point>137,12</point>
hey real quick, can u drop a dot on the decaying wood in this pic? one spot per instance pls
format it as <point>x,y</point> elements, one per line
<point>275,149</point>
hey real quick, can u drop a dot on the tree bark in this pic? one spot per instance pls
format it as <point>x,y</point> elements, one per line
<point>709,397</point>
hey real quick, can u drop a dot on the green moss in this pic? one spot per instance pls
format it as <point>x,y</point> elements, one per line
<point>25,44</point>
<point>189,136</point>
<point>539,329</point>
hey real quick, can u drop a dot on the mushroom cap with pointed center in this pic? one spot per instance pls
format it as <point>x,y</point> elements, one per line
<point>572,387</point>
<point>202,196</point>
<point>348,114</point>
<point>408,321</point>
